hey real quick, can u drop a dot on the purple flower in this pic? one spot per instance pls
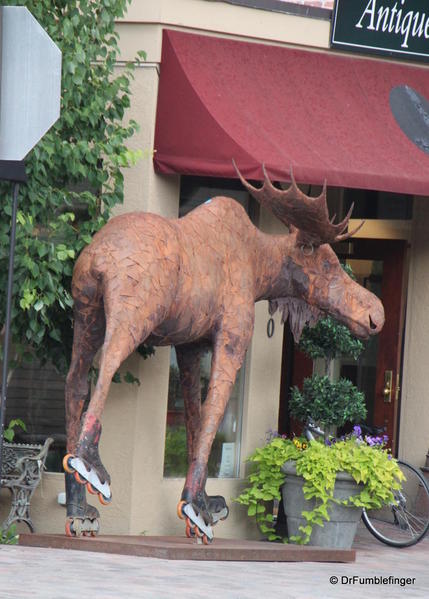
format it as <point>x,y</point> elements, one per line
<point>389,457</point>
<point>357,431</point>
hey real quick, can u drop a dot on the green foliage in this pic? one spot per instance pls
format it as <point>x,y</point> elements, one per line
<point>265,481</point>
<point>9,431</point>
<point>176,455</point>
<point>9,536</point>
<point>75,176</point>
<point>319,464</point>
<point>325,401</point>
<point>329,339</point>
<point>328,403</point>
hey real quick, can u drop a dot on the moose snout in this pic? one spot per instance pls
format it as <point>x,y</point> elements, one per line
<point>376,318</point>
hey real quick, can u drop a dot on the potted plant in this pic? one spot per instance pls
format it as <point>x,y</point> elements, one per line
<point>329,402</point>
<point>323,481</point>
<point>314,470</point>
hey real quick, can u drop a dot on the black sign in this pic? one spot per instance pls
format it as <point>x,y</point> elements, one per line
<point>398,28</point>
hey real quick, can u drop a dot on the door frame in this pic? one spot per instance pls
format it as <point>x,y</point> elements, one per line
<point>296,366</point>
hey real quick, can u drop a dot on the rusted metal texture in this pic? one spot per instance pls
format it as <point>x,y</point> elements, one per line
<point>193,282</point>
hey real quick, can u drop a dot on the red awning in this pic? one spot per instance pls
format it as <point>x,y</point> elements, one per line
<point>325,114</point>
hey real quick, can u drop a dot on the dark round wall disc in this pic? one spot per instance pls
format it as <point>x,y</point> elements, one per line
<point>411,111</point>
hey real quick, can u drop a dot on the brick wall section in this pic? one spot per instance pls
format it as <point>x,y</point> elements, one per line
<point>318,3</point>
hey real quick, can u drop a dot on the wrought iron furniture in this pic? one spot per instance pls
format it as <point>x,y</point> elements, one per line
<point>22,471</point>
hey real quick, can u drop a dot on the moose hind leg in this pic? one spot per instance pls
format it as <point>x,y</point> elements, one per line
<point>188,360</point>
<point>124,332</point>
<point>88,336</point>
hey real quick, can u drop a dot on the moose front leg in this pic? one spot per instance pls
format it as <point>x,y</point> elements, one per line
<point>189,362</point>
<point>228,355</point>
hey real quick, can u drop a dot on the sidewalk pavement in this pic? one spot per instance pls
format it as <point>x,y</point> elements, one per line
<point>31,572</point>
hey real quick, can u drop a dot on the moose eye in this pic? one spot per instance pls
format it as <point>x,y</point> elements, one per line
<point>307,249</point>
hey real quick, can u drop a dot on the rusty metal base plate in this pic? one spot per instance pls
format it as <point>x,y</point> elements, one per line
<point>179,548</point>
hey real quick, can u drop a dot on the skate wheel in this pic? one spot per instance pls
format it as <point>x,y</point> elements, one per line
<point>198,533</point>
<point>91,489</point>
<point>78,478</point>
<point>66,466</point>
<point>96,530</point>
<point>104,500</point>
<point>190,530</point>
<point>206,540</point>
<point>180,507</point>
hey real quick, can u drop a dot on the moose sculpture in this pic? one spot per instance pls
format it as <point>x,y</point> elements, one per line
<point>193,282</point>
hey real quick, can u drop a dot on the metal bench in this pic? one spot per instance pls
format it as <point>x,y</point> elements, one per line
<point>22,470</point>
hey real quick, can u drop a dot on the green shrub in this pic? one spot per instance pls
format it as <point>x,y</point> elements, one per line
<point>9,536</point>
<point>9,431</point>
<point>328,403</point>
<point>329,339</point>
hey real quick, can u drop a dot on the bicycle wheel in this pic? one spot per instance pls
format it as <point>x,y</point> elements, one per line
<point>405,521</point>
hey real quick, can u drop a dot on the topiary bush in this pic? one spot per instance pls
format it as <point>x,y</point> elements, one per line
<point>328,403</point>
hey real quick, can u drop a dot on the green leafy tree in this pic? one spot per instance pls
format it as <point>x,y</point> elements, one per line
<point>75,177</point>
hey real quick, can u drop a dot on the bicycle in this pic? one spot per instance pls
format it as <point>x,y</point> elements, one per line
<point>403,522</point>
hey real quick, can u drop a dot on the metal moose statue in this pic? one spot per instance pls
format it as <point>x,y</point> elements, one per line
<point>193,283</point>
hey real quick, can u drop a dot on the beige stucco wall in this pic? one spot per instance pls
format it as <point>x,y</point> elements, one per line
<point>414,428</point>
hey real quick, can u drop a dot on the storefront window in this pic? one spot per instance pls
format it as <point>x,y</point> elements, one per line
<point>225,455</point>
<point>35,394</point>
<point>224,459</point>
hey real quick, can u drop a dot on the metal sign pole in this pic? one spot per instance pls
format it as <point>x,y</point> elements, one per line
<point>8,319</point>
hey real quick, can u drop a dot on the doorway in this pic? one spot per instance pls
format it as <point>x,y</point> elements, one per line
<point>380,266</point>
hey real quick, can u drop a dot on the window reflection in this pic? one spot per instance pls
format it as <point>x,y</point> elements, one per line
<point>224,457</point>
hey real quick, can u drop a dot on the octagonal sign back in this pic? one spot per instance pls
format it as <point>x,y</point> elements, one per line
<point>30,82</point>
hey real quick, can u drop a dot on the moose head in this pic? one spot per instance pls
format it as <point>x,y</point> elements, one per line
<point>312,282</point>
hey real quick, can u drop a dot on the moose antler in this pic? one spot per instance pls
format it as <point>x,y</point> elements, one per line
<point>292,207</point>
